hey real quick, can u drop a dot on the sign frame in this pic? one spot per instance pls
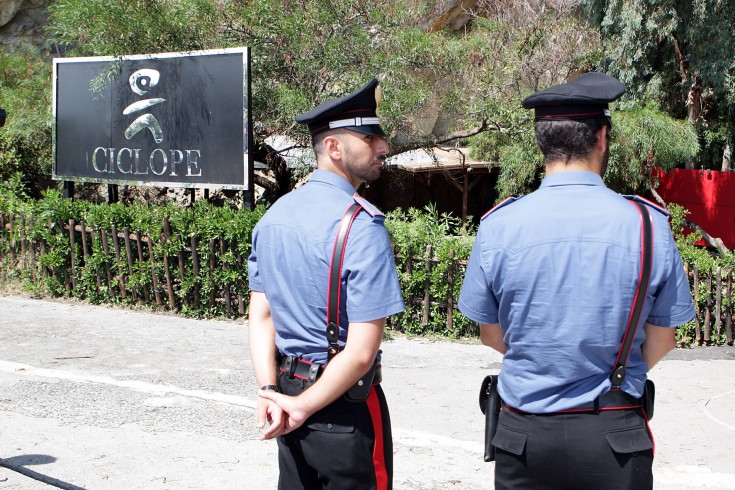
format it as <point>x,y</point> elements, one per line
<point>247,127</point>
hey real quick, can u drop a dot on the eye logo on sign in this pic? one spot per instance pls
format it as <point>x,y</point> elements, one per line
<point>141,82</point>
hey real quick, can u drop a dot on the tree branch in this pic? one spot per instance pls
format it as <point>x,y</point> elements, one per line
<point>486,125</point>
<point>711,241</point>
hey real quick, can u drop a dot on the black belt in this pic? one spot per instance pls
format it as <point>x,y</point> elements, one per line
<point>295,367</point>
<point>614,399</point>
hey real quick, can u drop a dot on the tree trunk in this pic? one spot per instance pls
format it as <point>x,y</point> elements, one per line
<point>727,158</point>
<point>694,106</point>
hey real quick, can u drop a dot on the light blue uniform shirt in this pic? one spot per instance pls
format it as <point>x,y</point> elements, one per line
<point>291,256</point>
<point>558,269</point>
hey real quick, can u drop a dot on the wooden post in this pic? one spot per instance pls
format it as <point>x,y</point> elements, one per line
<point>427,288</point>
<point>106,249</point>
<point>195,269</point>
<point>450,291</point>
<point>166,266</point>
<point>23,240</point>
<point>11,241</point>
<point>44,269</point>
<point>182,259</point>
<point>240,299</point>
<point>4,240</point>
<point>96,269</point>
<point>32,249</point>
<point>85,251</point>
<point>64,271</point>
<point>697,312</point>
<point>118,260</point>
<point>129,258</point>
<point>728,309</point>
<point>112,193</point>
<point>72,259</point>
<point>154,276</point>
<point>67,189</point>
<point>139,245</point>
<point>708,311</point>
<point>718,303</point>
<point>225,286</point>
<point>211,274</point>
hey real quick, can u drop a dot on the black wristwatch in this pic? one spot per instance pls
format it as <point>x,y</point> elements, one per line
<point>271,388</point>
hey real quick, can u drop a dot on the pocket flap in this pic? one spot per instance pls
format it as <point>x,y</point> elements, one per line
<point>335,422</point>
<point>630,440</point>
<point>509,440</point>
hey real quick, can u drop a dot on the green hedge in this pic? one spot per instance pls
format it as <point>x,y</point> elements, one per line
<point>431,255</point>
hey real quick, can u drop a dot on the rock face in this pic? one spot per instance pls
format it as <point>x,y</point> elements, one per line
<point>8,9</point>
<point>450,15</point>
<point>22,21</point>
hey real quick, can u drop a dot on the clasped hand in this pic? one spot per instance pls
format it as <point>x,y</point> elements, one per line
<point>283,413</point>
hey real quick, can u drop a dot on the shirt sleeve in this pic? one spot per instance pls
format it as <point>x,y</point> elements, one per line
<point>373,290</point>
<point>477,301</point>
<point>672,302</point>
<point>253,277</point>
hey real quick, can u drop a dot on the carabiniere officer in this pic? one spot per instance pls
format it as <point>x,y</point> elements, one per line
<point>551,280</point>
<point>328,412</point>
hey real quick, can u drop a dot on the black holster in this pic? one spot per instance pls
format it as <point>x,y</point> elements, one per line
<point>490,406</point>
<point>648,398</point>
<point>360,391</point>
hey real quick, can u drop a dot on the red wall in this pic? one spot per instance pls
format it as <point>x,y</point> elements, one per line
<point>709,196</point>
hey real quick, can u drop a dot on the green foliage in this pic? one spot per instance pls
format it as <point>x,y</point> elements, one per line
<point>673,52</point>
<point>430,250</point>
<point>25,140</point>
<point>427,248</point>
<point>103,27</point>
<point>706,263</point>
<point>223,238</point>
<point>644,138</point>
<point>306,52</point>
<point>519,158</point>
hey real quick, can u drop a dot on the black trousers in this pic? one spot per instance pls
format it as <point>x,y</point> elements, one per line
<point>608,450</point>
<point>343,446</point>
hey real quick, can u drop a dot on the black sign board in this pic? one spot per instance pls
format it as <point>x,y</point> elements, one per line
<point>170,120</point>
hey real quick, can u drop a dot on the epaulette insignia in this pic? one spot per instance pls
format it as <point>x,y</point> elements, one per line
<point>367,206</point>
<point>648,203</point>
<point>502,204</point>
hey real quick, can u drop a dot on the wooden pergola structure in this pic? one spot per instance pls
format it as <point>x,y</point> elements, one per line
<point>462,172</point>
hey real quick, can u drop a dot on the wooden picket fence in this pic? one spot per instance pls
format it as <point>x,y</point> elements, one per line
<point>714,314</point>
<point>126,251</point>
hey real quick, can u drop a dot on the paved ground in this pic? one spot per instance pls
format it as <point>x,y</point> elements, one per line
<point>101,398</point>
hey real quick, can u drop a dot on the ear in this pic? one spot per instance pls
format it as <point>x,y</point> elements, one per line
<point>333,147</point>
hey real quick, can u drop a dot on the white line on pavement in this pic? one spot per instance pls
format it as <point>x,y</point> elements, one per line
<point>411,438</point>
<point>142,386</point>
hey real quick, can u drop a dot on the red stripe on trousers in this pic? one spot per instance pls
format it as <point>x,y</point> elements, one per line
<point>381,474</point>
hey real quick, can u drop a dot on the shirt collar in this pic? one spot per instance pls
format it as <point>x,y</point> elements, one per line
<point>332,179</point>
<point>572,178</point>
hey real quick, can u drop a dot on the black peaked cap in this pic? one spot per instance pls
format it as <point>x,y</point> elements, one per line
<point>584,97</point>
<point>356,111</point>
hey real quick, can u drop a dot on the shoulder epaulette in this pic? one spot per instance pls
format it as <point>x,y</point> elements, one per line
<point>502,204</point>
<point>368,207</point>
<point>648,203</point>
